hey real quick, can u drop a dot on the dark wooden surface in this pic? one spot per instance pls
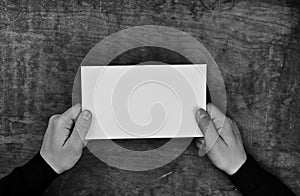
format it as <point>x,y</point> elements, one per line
<point>255,43</point>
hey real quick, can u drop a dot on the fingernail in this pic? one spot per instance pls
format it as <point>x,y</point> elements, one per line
<point>201,142</point>
<point>200,114</point>
<point>86,115</point>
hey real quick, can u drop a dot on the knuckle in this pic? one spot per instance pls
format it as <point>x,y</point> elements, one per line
<point>53,118</point>
<point>59,120</point>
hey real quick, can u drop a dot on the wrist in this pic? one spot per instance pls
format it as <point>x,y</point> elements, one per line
<point>50,162</point>
<point>237,166</point>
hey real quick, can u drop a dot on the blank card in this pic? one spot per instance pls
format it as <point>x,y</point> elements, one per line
<point>143,101</point>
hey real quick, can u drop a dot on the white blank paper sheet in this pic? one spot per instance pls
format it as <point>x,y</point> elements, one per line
<point>143,101</point>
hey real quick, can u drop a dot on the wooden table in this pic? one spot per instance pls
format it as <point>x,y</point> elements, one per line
<point>255,44</point>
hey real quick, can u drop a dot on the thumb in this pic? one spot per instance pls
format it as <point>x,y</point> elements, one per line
<point>203,120</point>
<point>81,128</point>
<point>209,131</point>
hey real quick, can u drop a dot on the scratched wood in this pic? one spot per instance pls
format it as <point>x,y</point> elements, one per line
<point>255,43</point>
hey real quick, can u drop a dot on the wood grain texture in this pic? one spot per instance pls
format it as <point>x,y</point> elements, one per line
<point>255,43</point>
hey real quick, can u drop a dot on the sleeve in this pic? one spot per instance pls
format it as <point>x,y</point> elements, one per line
<point>251,179</point>
<point>30,179</point>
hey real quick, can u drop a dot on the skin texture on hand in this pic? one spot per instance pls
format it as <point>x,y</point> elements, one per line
<point>64,138</point>
<point>222,140</point>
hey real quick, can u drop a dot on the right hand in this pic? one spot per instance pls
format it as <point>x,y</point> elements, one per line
<point>222,140</point>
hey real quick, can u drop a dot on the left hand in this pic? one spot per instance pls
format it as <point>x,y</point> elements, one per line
<point>64,138</point>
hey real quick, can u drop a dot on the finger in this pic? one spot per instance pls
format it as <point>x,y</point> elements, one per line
<point>209,131</point>
<point>70,115</point>
<point>236,131</point>
<point>53,118</point>
<point>217,116</point>
<point>82,126</point>
<point>227,131</point>
<point>224,125</point>
<point>200,142</point>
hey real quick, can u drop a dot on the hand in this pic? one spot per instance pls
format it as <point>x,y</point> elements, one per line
<point>63,141</point>
<point>222,140</point>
